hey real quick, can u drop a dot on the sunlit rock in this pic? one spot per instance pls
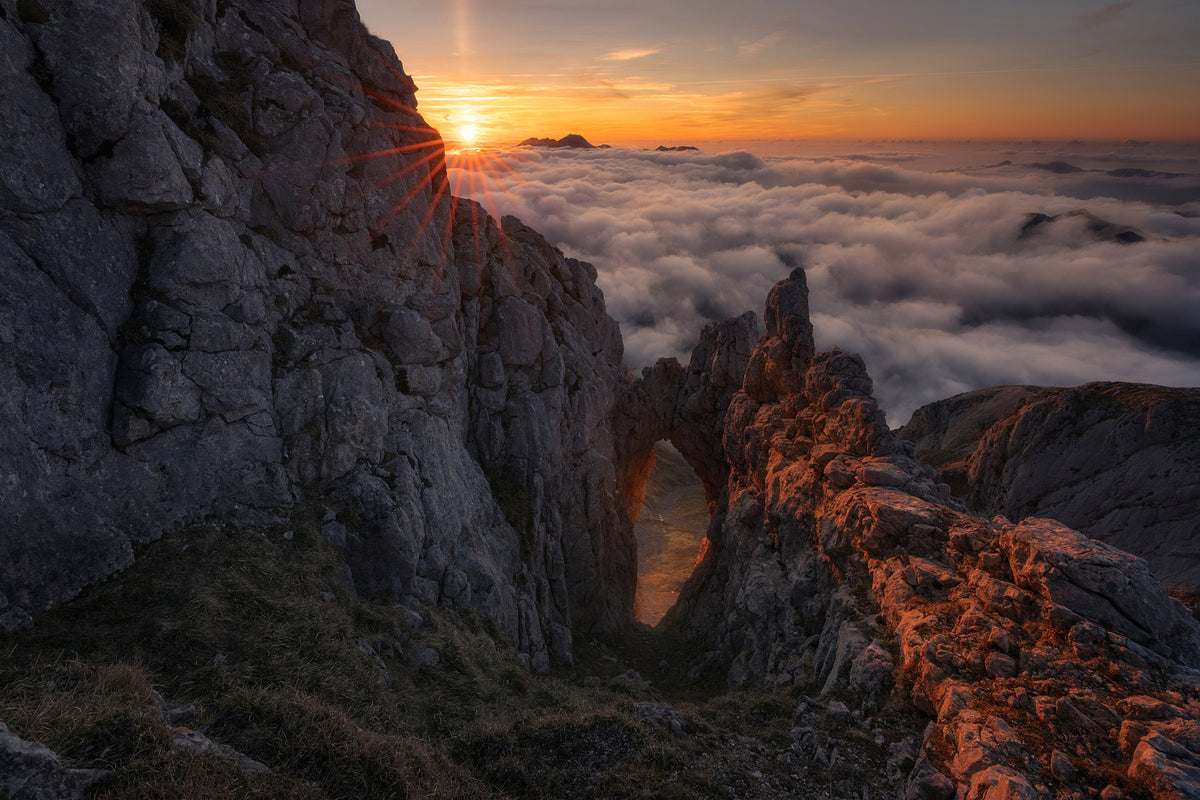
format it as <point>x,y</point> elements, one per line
<point>830,539</point>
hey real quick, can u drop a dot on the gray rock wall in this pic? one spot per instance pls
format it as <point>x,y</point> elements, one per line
<point>234,282</point>
<point>1117,461</point>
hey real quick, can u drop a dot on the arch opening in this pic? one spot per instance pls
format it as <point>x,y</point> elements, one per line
<point>669,531</point>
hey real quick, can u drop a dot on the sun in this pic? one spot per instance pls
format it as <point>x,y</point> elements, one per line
<point>468,133</point>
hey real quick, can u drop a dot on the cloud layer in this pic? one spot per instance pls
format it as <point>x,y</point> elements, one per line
<point>923,270</point>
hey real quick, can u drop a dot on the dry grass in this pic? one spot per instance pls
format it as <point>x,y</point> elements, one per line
<point>236,622</point>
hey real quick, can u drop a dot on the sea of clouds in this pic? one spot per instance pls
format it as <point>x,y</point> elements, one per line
<point>915,256</point>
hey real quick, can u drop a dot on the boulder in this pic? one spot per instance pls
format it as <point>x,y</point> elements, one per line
<point>31,771</point>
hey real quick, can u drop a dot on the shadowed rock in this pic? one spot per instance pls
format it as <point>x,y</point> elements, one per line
<point>31,771</point>
<point>1097,228</point>
<point>236,283</point>
<point>1117,461</point>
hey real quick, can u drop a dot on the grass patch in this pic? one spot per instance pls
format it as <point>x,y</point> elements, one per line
<point>251,627</point>
<point>236,621</point>
<point>239,622</point>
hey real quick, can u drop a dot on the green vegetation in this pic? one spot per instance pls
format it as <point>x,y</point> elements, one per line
<point>253,628</point>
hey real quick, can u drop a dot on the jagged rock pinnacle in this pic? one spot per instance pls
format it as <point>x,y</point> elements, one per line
<point>830,541</point>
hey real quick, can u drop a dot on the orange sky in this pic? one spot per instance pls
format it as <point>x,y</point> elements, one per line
<point>673,72</point>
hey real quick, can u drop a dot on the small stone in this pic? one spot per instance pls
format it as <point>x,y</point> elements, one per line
<point>661,715</point>
<point>804,741</point>
<point>1061,767</point>
<point>411,619</point>
<point>882,473</point>
<point>1044,708</point>
<point>195,742</point>
<point>426,657</point>
<point>999,665</point>
<point>927,783</point>
<point>181,715</point>
<point>631,676</point>
<point>838,714</point>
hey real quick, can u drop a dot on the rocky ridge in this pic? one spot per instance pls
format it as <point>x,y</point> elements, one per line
<point>1047,661</point>
<point>1117,461</point>
<point>1094,226</point>
<point>235,282</point>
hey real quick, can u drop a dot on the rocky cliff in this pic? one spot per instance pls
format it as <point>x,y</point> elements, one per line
<point>235,283</point>
<point>236,288</point>
<point>1046,661</point>
<point>1117,461</point>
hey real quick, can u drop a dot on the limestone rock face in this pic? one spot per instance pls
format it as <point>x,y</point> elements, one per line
<point>836,559</point>
<point>1119,462</point>
<point>234,281</point>
<point>947,432</point>
<point>31,771</point>
<point>686,406</point>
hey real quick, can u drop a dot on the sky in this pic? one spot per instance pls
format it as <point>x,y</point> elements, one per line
<point>916,257</point>
<point>895,150</point>
<point>674,72</point>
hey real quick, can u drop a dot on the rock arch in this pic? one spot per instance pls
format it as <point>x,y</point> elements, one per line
<point>687,406</point>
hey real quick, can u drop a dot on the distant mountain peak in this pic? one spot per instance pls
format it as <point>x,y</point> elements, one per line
<point>1100,228</point>
<point>573,140</point>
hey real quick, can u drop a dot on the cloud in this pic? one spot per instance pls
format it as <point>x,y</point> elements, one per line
<point>770,101</point>
<point>1104,15</point>
<point>631,53</point>
<point>922,270</point>
<point>609,88</point>
<point>759,45</point>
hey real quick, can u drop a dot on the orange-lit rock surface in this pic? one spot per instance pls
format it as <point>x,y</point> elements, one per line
<point>1048,663</point>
